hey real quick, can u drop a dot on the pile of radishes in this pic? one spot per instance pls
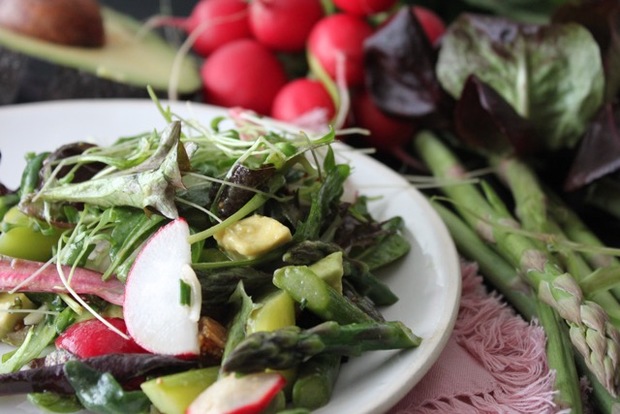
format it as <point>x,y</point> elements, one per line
<point>281,58</point>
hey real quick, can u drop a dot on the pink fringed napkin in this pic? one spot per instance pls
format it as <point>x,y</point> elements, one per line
<point>494,362</point>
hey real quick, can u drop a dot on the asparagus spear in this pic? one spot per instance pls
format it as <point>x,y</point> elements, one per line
<point>532,209</point>
<point>505,279</point>
<point>312,292</point>
<point>286,347</point>
<point>315,382</point>
<point>591,332</point>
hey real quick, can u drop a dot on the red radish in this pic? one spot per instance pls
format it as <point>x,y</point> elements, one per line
<point>344,35</point>
<point>433,25</point>
<point>90,338</point>
<point>301,97</point>
<point>243,73</point>
<point>387,133</point>
<point>214,23</point>
<point>364,7</point>
<point>284,25</point>
<point>232,394</point>
<point>155,313</point>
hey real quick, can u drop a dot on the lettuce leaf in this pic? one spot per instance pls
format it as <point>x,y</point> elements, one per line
<point>551,74</point>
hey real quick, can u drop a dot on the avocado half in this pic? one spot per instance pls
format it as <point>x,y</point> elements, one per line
<point>36,70</point>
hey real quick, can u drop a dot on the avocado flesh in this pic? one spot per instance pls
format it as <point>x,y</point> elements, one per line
<point>125,59</point>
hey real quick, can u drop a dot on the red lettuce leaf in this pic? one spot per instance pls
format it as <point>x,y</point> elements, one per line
<point>486,121</point>
<point>599,151</point>
<point>400,69</point>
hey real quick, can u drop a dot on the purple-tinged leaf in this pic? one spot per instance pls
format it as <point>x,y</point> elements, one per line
<point>123,367</point>
<point>599,152</point>
<point>21,273</point>
<point>400,69</point>
<point>487,122</point>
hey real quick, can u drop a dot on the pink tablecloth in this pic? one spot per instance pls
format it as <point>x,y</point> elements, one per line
<point>494,362</point>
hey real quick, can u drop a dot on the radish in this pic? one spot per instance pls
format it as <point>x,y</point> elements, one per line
<point>364,7</point>
<point>158,315</point>
<point>387,134</point>
<point>232,394</point>
<point>90,338</point>
<point>284,25</point>
<point>301,97</point>
<point>433,25</point>
<point>213,23</point>
<point>340,35</point>
<point>243,73</point>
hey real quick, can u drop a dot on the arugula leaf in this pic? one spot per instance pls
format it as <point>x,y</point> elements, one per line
<point>131,228</point>
<point>101,393</point>
<point>237,328</point>
<point>550,74</point>
<point>390,247</point>
<point>37,339</point>
<point>329,193</point>
<point>55,403</point>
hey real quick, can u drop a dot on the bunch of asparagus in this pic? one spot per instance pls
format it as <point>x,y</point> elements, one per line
<point>544,261</point>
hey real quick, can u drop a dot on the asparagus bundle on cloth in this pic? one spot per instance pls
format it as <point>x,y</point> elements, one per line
<point>591,331</point>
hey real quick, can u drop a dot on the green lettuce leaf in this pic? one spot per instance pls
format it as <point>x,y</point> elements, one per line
<point>551,74</point>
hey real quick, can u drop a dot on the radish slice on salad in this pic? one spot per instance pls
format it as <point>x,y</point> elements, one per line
<point>163,295</point>
<point>232,394</point>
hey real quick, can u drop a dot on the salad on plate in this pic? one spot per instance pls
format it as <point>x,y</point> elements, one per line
<point>198,268</point>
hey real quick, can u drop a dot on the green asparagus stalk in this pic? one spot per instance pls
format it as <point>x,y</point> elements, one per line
<point>591,332</point>
<point>505,279</point>
<point>315,294</point>
<point>531,207</point>
<point>315,382</point>
<point>500,273</point>
<point>287,347</point>
<point>561,358</point>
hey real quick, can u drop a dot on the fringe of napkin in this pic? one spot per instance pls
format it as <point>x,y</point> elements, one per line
<point>509,348</point>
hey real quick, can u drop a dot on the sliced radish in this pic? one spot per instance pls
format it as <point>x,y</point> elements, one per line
<point>155,314</point>
<point>91,338</point>
<point>232,394</point>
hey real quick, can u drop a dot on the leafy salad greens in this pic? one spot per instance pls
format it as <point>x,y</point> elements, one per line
<point>270,266</point>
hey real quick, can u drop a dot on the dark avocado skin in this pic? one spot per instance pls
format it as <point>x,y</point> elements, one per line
<point>28,79</point>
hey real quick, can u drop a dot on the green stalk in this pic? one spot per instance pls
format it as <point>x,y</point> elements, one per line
<point>500,273</point>
<point>560,357</point>
<point>287,347</point>
<point>531,208</point>
<point>252,205</point>
<point>595,338</point>
<point>505,279</point>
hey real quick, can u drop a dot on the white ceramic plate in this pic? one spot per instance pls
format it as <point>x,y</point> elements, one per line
<point>427,281</point>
